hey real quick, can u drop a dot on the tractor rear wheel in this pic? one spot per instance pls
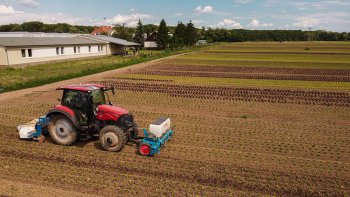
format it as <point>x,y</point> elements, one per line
<point>62,130</point>
<point>112,138</point>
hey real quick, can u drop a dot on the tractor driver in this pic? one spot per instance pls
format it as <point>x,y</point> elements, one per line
<point>82,106</point>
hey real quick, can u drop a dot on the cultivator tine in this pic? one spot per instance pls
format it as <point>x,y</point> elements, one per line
<point>41,139</point>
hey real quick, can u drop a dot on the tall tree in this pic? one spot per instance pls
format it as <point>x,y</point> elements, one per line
<point>192,36</point>
<point>139,34</point>
<point>163,35</point>
<point>180,35</point>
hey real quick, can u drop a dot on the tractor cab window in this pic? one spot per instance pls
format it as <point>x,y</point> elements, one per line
<point>78,102</point>
<point>69,98</point>
<point>75,99</point>
<point>98,97</point>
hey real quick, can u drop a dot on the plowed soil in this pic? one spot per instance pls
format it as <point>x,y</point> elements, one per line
<point>229,141</point>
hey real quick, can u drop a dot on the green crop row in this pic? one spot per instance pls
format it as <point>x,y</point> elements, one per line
<point>246,82</point>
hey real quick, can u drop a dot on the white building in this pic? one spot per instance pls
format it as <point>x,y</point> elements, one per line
<point>30,50</point>
<point>23,48</point>
<point>150,41</point>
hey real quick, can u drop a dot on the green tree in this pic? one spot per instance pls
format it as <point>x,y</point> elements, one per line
<point>192,36</point>
<point>150,28</point>
<point>33,26</point>
<point>123,32</point>
<point>163,35</point>
<point>139,37</point>
<point>16,27</point>
<point>178,39</point>
<point>73,30</point>
<point>7,28</point>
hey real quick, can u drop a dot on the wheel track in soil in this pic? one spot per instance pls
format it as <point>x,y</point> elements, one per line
<point>215,182</point>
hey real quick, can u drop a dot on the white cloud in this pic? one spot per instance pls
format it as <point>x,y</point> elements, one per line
<point>229,23</point>
<point>204,10</point>
<point>29,3</point>
<point>129,20</point>
<point>5,10</point>
<point>318,5</point>
<point>256,23</point>
<point>10,15</point>
<point>322,19</point>
<point>243,1</point>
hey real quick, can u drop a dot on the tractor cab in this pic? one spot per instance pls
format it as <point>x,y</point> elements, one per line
<point>84,100</point>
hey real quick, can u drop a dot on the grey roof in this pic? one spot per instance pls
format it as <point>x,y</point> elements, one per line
<point>36,34</point>
<point>114,40</point>
<point>45,41</point>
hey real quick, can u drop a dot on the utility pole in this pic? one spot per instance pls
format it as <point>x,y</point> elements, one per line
<point>308,39</point>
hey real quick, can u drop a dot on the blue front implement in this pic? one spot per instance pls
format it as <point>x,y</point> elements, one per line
<point>41,127</point>
<point>155,144</point>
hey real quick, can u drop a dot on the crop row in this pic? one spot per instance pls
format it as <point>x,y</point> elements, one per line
<point>237,69</point>
<point>241,94</point>
<point>249,76</point>
<point>134,79</point>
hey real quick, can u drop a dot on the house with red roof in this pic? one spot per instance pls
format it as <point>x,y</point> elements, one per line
<point>103,30</point>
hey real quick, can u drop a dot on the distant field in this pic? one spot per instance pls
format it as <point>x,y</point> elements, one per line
<point>334,55</point>
<point>252,119</point>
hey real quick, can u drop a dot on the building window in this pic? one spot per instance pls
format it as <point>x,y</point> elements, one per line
<point>23,53</point>
<point>101,48</point>
<point>62,50</point>
<point>79,49</point>
<point>89,49</point>
<point>75,49</point>
<point>30,53</point>
<point>57,50</point>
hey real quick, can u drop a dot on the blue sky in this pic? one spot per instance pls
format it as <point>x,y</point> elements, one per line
<point>331,15</point>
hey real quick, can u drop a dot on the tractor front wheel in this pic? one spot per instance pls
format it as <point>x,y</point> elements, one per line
<point>112,138</point>
<point>62,130</point>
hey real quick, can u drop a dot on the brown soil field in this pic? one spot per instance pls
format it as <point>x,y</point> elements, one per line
<point>229,140</point>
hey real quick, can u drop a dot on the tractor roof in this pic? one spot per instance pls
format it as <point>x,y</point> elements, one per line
<point>82,87</point>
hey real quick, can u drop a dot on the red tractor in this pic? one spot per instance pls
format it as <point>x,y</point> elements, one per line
<point>84,113</point>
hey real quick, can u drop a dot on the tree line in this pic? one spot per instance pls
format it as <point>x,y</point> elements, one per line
<point>241,35</point>
<point>183,34</point>
<point>36,26</point>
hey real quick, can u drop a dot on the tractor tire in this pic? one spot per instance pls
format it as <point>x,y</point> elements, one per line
<point>112,138</point>
<point>62,130</point>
